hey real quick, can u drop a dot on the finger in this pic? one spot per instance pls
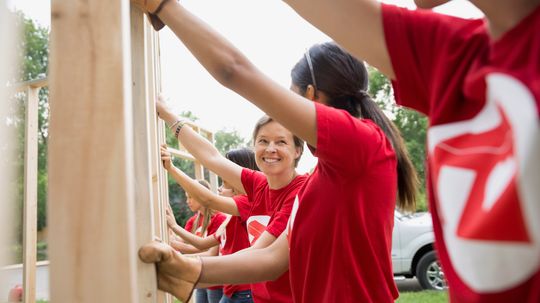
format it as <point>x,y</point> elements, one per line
<point>154,252</point>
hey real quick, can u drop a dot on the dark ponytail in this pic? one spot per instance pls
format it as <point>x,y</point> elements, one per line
<point>407,177</point>
<point>344,80</point>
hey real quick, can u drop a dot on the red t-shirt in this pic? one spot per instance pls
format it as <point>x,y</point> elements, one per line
<point>482,99</point>
<point>341,233</point>
<point>234,239</point>
<point>191,221</point>
<point>268,209</point>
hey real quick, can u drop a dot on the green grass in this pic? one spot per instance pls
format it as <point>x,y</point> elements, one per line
<point>423,297</point>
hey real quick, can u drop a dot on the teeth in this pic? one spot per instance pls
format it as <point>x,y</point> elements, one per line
<point>270,160</point>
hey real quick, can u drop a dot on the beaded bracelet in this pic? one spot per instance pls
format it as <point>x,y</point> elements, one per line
<point>174,124</point>
<point>178,128</point>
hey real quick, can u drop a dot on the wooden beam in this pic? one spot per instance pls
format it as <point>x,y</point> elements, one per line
<point>146,275</point>
<point>30,196</point>
<point>91,191</point>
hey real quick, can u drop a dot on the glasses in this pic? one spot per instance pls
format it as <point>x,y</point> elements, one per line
<point>310,64</point>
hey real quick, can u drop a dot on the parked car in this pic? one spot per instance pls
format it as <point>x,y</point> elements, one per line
<point>413,252</point>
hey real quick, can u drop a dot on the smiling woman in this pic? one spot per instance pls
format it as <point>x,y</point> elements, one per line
<point>271,192</point>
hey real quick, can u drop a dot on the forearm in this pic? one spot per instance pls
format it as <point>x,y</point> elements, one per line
<point>198,242</point>
<point>253,266</point>
<point>203,194</point>
<point>350,24</point>
<point>184,248</point>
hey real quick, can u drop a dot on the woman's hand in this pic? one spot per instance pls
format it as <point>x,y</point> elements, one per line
<point>176,274</point>
<point>164,112</point>
<point>171,221</point>
<point>166,157</point>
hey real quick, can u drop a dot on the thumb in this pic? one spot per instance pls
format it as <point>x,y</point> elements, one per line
<point>155,252</point>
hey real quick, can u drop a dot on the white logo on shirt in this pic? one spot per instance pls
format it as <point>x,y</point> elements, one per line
<point>256,225</point>
<point>486,174</point>
<point>290,224</point>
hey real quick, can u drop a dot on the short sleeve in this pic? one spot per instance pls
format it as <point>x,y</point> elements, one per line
<point>417,42</point>
<point>244,206</point>
<point>215,223</point>
<point>281,218</point>
<point>347,143</point>
<point>189,224</point>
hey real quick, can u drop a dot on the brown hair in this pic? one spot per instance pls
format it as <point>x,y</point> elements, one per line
<point>298,143</point>
<point>206,214</point>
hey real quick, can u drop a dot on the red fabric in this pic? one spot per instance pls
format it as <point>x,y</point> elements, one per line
<point>234,239</point>
<point>215,222</point>
<point>482,98</point>
<point>191,221</point>
<point>341,233</point>
<point>270,208</point>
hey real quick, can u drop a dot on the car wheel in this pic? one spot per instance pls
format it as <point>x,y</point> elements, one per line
<point>429,272</point>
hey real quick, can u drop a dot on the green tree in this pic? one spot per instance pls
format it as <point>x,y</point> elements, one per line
<point>226,140</point>
<point>411,124</point>
<point>33,51</point>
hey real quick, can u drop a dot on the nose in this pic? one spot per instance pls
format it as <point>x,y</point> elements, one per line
<point>271,147</point>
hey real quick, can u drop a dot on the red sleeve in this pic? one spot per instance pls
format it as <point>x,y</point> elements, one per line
<point>215,222</point>
<point>281,217</point>
<point>419,43</point>
<point>189,223</point>
<point>244,206</point>
<point>347,143</point>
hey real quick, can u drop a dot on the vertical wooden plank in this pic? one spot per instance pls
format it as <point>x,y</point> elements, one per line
<point>8,135</point>
<point>30,196</point>
<point>91,190</point>
<point>144,217</point>
<point>153,88</point>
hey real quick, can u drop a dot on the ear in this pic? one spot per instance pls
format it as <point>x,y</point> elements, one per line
<point>311,93</point>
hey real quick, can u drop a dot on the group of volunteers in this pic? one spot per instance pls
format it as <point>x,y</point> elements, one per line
<point>273,235</point>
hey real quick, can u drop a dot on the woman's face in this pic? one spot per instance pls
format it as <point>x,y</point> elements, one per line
<point>275,152</point>
<point>192,204</point>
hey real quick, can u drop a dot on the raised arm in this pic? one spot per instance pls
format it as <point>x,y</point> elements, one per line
<point>198,242</point>
<point>232,69</point>
<point>200,193</point>
<point>356,25</point>
<point>201,148</point>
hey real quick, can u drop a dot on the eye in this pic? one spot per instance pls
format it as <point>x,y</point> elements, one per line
<point>282,142</point>
<point>262,141</point>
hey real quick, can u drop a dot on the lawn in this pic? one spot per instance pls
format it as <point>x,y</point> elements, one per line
<point>423,297</point>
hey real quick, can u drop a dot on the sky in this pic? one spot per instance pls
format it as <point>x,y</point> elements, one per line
<point>268,32</point>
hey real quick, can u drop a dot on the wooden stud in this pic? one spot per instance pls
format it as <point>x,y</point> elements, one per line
<point>30,196</point>
<point>91,191</point>
<point>144,217</point>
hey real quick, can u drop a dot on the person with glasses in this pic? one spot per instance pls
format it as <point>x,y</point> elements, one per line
<point>338,240</point>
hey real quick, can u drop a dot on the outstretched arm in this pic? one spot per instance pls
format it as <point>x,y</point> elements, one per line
<point>354,24</point>
<point>201,148</point>
<point>198,242</point>
<point>200,193</point>
<point>232,69</point>
<point>176,270</point>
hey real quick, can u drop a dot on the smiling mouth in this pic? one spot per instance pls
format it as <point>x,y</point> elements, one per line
<point>270,160</point>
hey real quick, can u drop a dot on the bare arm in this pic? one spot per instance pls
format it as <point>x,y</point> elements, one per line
<point>354,24</point>
<point>253,266</point>
<point>184,247</point>
<point>198,242</point>
<point>200,193</point>
<point>232,69</point>
<point>202,149</point>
